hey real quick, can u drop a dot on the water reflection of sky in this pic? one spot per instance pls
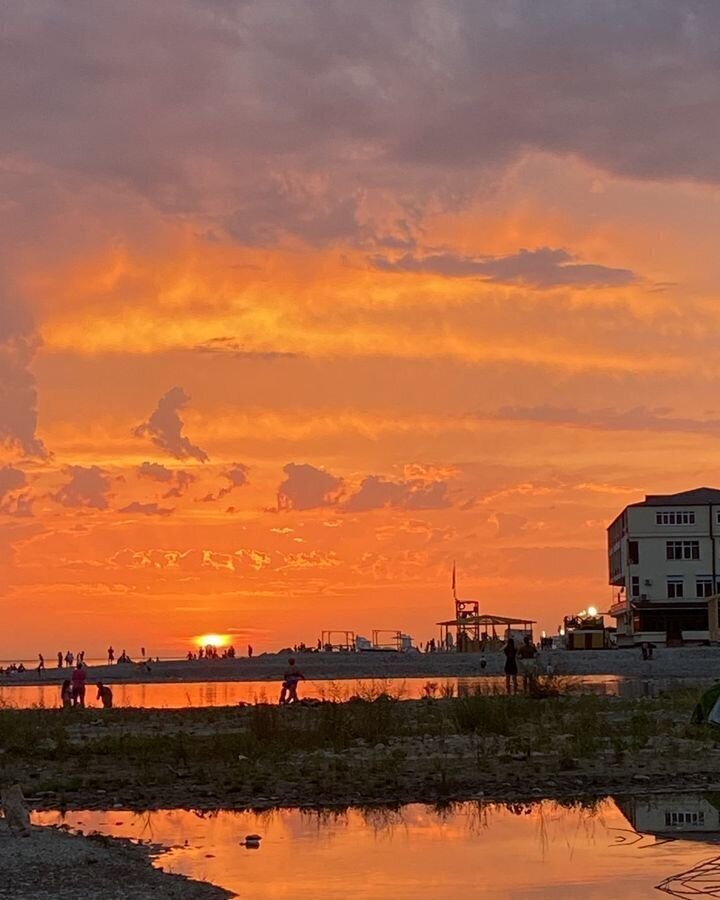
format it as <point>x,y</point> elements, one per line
<point>544,852</point>
<point>230,693</point>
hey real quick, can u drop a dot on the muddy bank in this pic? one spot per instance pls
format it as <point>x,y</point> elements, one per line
<point>54,865</point>
<point>680,662</point>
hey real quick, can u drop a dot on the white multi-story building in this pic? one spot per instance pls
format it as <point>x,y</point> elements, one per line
<point>663,558</point>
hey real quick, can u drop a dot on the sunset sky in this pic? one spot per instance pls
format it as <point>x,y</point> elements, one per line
<point>300,302</point>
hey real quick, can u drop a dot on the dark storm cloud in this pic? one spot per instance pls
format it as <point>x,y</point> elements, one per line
<point>234,348</point>
<point>10,480</point>
<point>638,418</point>
<point>282,119</point>
<point>154,471</point>
<point>176,480</point>
<point>88,486</point>
<point>544,268</point>
<point>377,492</point>
<point>146,509</point>
<point>307,487</point>
<point>164,427</point>
<point>236,474</point>
<point>18,395</point>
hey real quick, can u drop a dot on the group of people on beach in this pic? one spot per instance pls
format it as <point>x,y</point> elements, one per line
<point>213,652</point>
<point>66,661</point>
<point>72,690</point>
<point>526,655</point>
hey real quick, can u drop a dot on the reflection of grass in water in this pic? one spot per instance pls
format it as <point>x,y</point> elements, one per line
<point>378,689</point>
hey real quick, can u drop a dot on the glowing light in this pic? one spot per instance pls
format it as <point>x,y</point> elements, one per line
<point>212,640</point>
<point>592,611</point>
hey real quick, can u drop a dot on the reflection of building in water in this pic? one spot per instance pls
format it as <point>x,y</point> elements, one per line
<point>669,814</point>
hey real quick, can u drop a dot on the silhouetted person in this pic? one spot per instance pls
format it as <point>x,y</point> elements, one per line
<point>111,655</point>
<point>69,659</point>
<point>511,670</point>
<point>104,695</point>
<point>66,694</point>
<point>250,651</point>
<point>288,692</point>
<point>527,654</point>
<point>78,685</point>
<point>41,664</point>
<point>60,659</point>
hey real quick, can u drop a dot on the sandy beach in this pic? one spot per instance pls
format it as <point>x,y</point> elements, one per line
<point>681,662</point>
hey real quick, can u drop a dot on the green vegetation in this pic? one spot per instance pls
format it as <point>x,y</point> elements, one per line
<point>369,749</point>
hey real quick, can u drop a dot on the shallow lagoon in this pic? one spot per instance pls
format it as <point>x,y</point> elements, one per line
<point>544,851</point>
<point>167,695</point>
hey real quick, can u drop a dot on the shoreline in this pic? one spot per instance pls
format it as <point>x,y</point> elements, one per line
<point>53,863</point>
<point>681,662</point>
<point>579,789</point>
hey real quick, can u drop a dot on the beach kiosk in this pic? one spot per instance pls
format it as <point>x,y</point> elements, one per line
<point>585,631</point>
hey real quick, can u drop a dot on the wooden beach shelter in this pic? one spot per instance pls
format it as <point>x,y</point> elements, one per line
<point>469,633</point>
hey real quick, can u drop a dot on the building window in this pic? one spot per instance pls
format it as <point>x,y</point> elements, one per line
<point>635,586</point>
<point>675,588</point>
<point>633,553</point>
<point>684,818</point>
<point>678,517</point>
<point>704,587</point>
<point>682,550</point>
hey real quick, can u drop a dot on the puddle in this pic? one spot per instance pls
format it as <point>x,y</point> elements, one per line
<point>622,849</point>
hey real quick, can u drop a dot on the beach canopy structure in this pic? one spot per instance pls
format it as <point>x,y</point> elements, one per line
<point>470,632</point>
<point>338,640</point>
<point>707,711</point>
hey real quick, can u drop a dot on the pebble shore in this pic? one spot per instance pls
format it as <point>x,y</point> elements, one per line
<point>676,662</point>
<point>52,864</point>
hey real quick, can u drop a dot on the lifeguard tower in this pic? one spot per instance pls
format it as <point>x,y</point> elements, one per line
<point>470,631</point>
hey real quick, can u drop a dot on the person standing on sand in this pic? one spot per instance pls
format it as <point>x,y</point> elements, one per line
<point>288,693</point>
<point>511,669</point>
<point>60,659</point>
<point>527,654</point>
<point>250,651</point>
<point>41,664</point>
<point>111,655</point>
<point>78,685</point>
<point>66,694</point>
<point>69,659</point>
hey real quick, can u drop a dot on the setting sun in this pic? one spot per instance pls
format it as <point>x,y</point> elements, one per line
<point>212,640</point>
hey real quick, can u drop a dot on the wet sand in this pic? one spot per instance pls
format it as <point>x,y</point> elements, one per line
<point>681,662</point>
